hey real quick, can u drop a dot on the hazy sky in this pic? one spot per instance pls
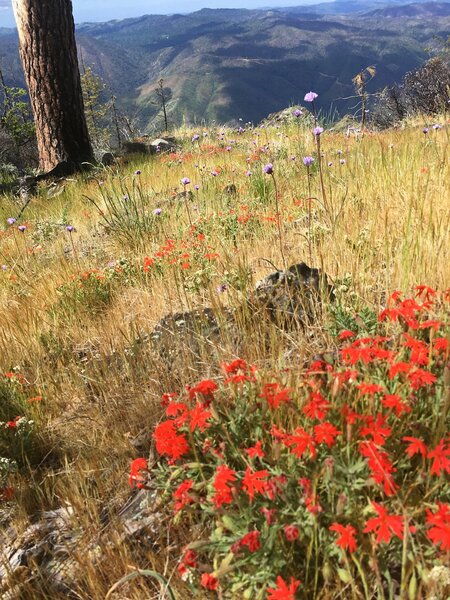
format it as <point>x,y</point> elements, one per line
<point>104,10</point>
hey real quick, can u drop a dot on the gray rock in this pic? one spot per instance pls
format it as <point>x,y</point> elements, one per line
<point>108,159</point>
<point>293,297</point>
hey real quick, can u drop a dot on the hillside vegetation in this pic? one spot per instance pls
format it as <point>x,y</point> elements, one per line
<point>93,265</point>
<point>231,64</point>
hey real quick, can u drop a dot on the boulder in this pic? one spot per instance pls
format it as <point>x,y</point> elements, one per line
<point>292,296</point>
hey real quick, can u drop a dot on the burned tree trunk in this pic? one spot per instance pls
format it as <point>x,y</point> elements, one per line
<point>48,52</point>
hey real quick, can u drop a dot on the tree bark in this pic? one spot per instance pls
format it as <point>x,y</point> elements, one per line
<point>49,57</point>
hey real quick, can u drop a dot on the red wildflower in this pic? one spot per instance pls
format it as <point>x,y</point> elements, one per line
<point>439,532</point>
<point>326,433</point>
<point>169,442</point>
<point>190,558</point>
<point>275,485</point>
<point>209,582</point>
<point>236,365</point>
<point>416,446</point>
<point>376,428</point>
<point>420,378</point>
<point>167,397</point>
<point>179,411</point>
<point>269,514</point>
<point>380,466</point>
<point>424,292</point>
<point>368,389</point>
<point>299,442</point>
<point>206,388</point>
<point>291,532</point>
<point>275,395</point>
<point>347,536</point>
<point>317,407</point>
<point>395,402</point>
<point>182,496</point>
<point>148,262</point>
<point>346,334</point>
<point>251,540</point>
<point>253,482</point>
<point>256,450</point>
<point>136,477</point>
<point>385,525</point>
<point>419,350</point>
<point>199,416</point>
<point>224,476</point>
<point>431,324</point>
<point>441,458</point>
<point>400,367</point>
<point>441,344</point>
<point>13,424</point>
<point>283,591</point>
<point>278,434</point>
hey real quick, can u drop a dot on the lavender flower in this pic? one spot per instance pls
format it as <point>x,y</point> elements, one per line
<point>138,172</point>
<point>185,181</point>
<point>11,220</point>
<point>195,137</point>
<point>342,161</point>
<point>297,113</point>
<point>425,130</point>
<point>308,161</point>
<point>21,228</point>
<point>268,169</point>
<point>70,228</point>
<point>317,130</point>
<point>157,211</point>
<point>310,96</point>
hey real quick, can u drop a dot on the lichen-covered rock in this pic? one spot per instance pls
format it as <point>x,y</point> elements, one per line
<point>294,296</point>
<point>192,335</point>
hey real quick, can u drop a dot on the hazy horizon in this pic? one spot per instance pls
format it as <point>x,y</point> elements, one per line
<point>106,10</point>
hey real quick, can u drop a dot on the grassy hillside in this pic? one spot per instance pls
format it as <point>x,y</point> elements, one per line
<point>96,262</point>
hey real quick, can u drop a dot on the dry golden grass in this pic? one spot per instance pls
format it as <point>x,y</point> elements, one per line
<point>386,227</point>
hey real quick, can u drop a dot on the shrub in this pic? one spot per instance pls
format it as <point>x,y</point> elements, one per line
<point>425,90</point>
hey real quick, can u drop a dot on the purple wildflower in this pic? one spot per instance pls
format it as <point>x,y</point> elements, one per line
<point>310,96</point>
<point>138,172</point>
<point>70,228</point>
<point>157,211</point>
<point>268,169</point>
<point>308,161</point>
<point>185,181</point>
<point>297,113</point>
<point>11,220</point>
<point>317,130</point>
<point>21,228</point>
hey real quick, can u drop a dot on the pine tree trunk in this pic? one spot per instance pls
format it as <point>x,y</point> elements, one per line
<point>49,57</point>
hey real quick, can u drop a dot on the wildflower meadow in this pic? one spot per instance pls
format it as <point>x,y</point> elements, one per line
<point>267,460</point>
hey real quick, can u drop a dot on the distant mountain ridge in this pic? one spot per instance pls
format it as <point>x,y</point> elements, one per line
<point>426,9</point>
<point>225,64</point>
